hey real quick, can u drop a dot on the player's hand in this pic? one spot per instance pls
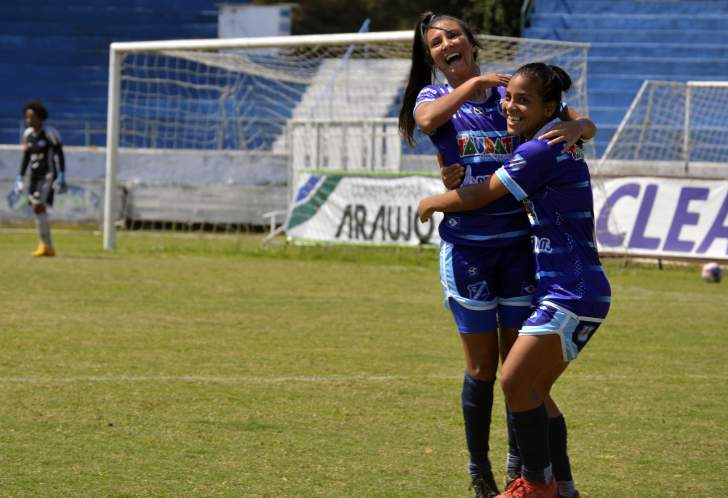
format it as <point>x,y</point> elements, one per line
<point>18,187</point>
<point>451,175</point>
<point>490,80</point>
<point>60,185</point>
<point>425,210</point>
<point>566,132</point>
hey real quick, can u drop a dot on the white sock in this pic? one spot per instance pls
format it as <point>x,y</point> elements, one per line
<point>44,228</point>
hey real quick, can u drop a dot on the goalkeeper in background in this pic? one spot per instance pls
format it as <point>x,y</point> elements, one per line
<point>43,152</point>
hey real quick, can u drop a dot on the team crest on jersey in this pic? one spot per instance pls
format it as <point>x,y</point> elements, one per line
<point>576,153</point>
<point>475,143</point>
<point>472,271</point>
<point>478,290</point>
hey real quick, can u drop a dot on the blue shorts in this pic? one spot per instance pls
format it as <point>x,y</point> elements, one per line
<point>487,287</point>
<point>574,331</point>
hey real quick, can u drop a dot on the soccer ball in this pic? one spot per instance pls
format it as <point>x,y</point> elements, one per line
<point>712,272</point>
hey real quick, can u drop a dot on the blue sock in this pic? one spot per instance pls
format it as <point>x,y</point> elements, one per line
<point>477,402</point>
<point>559,454</point>
<point>513,463</point>
<point>532,432</point>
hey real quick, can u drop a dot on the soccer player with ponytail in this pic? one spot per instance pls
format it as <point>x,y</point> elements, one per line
<point>486,268</point>
<point>572,295</point>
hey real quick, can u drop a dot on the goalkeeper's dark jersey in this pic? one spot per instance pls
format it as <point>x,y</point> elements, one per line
<point>43,151</point>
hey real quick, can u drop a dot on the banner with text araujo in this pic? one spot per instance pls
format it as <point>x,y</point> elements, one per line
<point>358,209</point>
<point>662,217</point>
<point>639,216</point>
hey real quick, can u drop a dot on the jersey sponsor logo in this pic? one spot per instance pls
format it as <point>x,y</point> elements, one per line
<point>469,179</point>
<point>471,144</point>
<point>542,244</point>
<point>472,110</point>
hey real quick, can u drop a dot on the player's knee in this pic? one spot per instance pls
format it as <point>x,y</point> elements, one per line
<point>484,371</point>
<point>514,387</point>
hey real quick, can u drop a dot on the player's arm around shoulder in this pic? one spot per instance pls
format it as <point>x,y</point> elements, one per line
<point>433,113</point>
<point>571,128</point>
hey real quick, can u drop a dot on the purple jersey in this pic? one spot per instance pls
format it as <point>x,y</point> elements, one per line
<point>476,137</point>
<point>555,188</point>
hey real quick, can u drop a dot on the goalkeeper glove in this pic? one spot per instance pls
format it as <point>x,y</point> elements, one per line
<point>18,187</point>
<point>61,183</point>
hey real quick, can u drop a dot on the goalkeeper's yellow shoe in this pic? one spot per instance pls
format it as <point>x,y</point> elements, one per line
<point>43,250</point>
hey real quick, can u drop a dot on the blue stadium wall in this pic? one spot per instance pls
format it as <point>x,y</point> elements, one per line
<point>58,52</point>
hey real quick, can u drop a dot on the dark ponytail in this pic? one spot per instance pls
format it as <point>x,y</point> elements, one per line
<point>552,81</point>
<point>422,72</point>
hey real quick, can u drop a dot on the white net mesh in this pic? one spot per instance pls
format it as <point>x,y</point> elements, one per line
<point>242,116</point>
<point>671,128</point>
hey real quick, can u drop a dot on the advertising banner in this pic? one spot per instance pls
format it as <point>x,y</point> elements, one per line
<point>639,216</point>
<point>377,210</point>
<point>662,217</point>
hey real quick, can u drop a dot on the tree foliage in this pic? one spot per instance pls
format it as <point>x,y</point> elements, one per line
<point>497,17</point>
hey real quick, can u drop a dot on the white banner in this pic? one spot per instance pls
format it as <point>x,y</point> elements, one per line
<point>669,217</point>
<point>641,216</point>
<point>82,202</point>
<point>362,209</point>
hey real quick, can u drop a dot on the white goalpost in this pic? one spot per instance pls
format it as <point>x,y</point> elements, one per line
<point>216,132</point>
<point>672,128</point>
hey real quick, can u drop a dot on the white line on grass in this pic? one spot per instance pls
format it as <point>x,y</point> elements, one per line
<point>311,379</point>
<point>215,379</point>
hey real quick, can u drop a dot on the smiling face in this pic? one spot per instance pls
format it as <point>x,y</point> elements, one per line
<point>451,51</point>
<point>525,110</point>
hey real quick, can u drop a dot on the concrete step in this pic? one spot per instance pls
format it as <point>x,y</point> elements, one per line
<point>672,67</point>
<point>611,98</point>
<point>659,50</point>
<point>631,6</point>
<point>636,20</point>
<point>628,35</point>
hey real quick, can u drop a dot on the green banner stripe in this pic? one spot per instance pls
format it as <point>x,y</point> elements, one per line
<point>304,212</point>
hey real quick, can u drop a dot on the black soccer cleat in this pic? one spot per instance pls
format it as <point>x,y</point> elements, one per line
<point>484,486</point>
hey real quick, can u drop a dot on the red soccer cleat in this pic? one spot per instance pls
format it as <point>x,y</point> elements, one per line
<point>521,488</point>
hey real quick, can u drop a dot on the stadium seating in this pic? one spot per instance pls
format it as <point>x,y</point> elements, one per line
<point>58,52</point>
<point>635,40</point>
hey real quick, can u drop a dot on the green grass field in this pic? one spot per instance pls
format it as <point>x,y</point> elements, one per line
<point>208,367</point>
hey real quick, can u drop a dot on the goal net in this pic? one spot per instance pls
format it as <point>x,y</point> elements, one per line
<point>213,133</point>
<point>672,129</point>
